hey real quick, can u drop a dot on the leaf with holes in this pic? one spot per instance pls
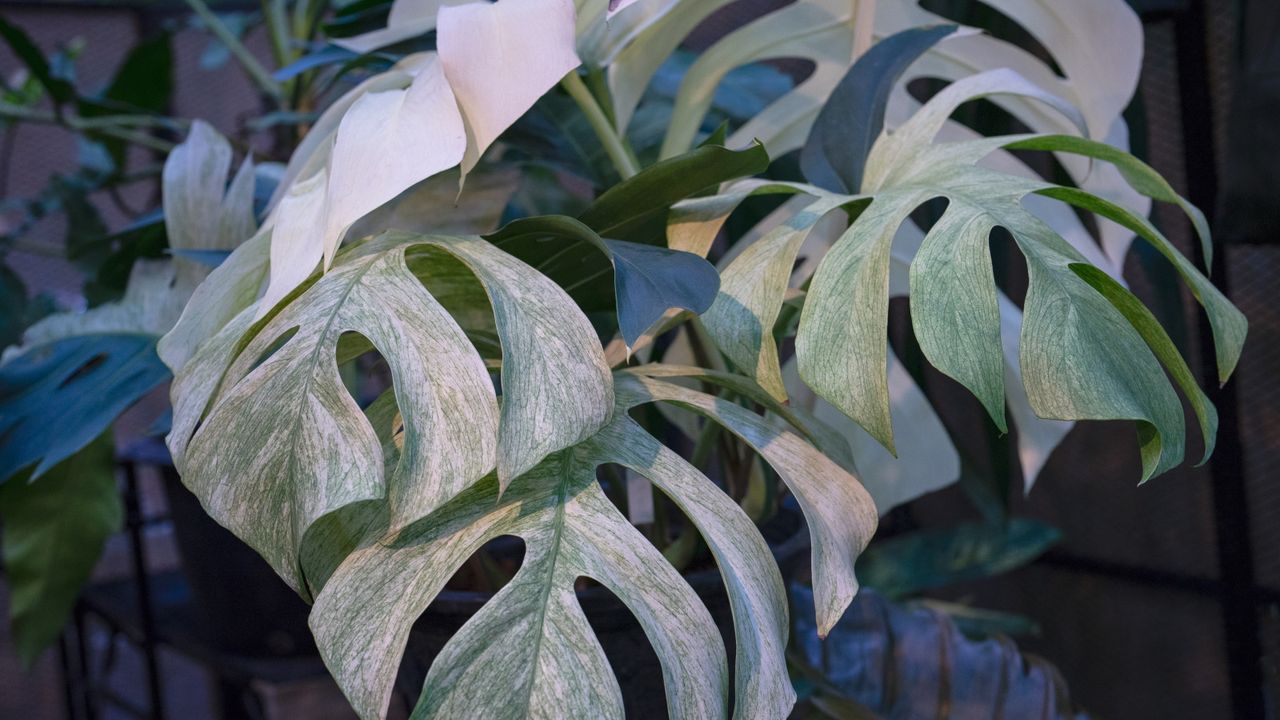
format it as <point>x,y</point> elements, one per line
<point>532,637</point>
<point>1080,356</point>
<point>320,454</point>
<point>1095,71</point>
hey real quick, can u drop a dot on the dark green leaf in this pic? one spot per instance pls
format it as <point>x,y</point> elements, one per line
<point>144,81</point>
<point>54,531</point>
<point>1139,175</point>
<point>77,385</point>
<point>13,298</point>
<point>358,17</point>
<point>835,155</point>
<point>144,238</point>
<point>652,191</point>
<point>908,564</point>
<point>20,43</point>
<point>648,280</point>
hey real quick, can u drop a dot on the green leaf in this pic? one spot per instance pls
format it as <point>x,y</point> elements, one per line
<point>956,315</point>
<point>855,337</point>
<point>636,200</point>
<point>1161,344</point>
<point>834,156</point>
<point>647,280</point>
<point>1139,175</point>
<point>1228,324</point>
<point>77,384</point>
<point>54,531</point>
<point>20,43</point>
<point>13,296</point>
<point>908,564</point>
<point>144,80</point>
<point>754,283</point>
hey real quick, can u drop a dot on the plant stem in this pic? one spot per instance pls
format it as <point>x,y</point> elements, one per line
<point>116,126</point>
<point>278,30</point>
<point>250,64</point>
<point>864,22</point>
<point>609,138</point>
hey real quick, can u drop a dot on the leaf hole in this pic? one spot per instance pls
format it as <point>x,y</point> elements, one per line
<point>84,370</point>
<point>1009,266</point>
<point>275,346</point>
<point>472,585</point>
<point>981,115</point>
<point>995,23</point>
<point>460,293</point>
<point>363,369</point>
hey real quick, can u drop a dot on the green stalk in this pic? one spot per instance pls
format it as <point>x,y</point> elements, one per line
<point>613,144</point>
<point>255,70</point>
<point>278,30</point>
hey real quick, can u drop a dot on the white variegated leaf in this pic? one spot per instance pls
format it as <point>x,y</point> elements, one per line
<point>407,19</point>
<point>532,640</point>
<point>500,58</point>
<point>316,458</point>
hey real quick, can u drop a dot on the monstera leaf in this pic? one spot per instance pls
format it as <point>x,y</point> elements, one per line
<point>1096,72</point>
<point>1085,353</point>
<point>370,512</point>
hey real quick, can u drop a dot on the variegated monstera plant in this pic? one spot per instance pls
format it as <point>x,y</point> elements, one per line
<point>525,360</point>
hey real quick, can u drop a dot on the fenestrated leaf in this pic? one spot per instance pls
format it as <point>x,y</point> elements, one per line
<point>1096,72</point>
<point>1140,176</point>
<point>841,515</point>
<point>752,288</point>
<point>284,427</point>
<point>648,280</point>
<point>835,154</point>
<point>78,385</point>
<point>1158,340</point>
<point>1080,358</point>
<point>532,639</point>
<point>1228,324</point>
<point>54,530</point>
<point>855,337</point>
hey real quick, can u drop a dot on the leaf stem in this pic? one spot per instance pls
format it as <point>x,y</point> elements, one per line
<point>609,138</point>
<point>278,29</point>
<point>864,23</point>
<point>116,126</point>
<point>246,59</point>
